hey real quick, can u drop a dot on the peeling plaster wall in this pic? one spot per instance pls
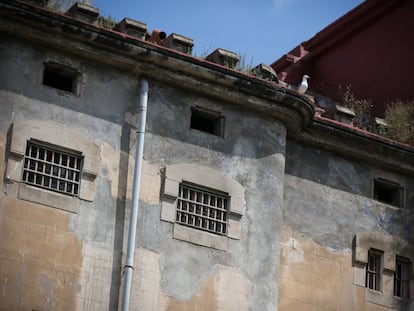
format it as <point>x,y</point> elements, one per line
<point>41,258</point>
<point>327,201</point>
<point>302,205</point>
<point>186,275</point>
<point>82,271</point>
<point>52,259</point>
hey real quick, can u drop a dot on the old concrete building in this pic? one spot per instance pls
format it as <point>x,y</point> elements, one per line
<point>247,201</point>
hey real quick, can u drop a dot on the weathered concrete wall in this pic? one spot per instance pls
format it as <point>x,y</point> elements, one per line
<point>41,258</point>
<point>327,201</point>
<point>293,228</point>
<point>185,275</point>
<point>52,259</point>
<point>75,261</point>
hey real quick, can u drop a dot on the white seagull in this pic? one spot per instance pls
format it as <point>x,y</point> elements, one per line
<point>303,86</point>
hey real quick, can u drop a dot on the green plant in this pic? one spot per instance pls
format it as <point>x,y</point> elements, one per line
<point>400,119</point>
<point>242,65</point>
<point>107,22</point>
<point>361,107</point>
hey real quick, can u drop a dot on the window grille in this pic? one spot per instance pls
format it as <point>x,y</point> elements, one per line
<point>203,209</point>
<point>373,273</point>
<point>52,169</point>
<point>402,277</point>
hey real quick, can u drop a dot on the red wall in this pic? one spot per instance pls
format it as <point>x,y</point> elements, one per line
<point>377,60</point>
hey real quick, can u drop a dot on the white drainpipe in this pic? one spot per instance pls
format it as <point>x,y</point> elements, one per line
<point>129,261</point>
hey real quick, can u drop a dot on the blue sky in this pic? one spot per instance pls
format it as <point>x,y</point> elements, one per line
<point>259,30</point>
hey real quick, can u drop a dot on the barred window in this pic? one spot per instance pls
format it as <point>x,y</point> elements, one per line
<point>202,208</point>
<point>52,169</point>
<point>373,272</point>
<point>402,277</point>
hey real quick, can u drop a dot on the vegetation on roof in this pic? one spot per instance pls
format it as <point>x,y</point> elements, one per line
<point>398,121</point>
<point>399,117</point>
<point>359,106</point>
<point>107,22</point>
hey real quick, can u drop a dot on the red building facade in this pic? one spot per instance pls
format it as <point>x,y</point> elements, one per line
<point>369,49</point>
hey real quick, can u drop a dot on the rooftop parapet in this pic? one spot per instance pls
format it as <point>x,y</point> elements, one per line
<point>224,57</point>
<point>179,43</point>
<point>83,12</point>
<point>265,72</point>
<point>132,27</point>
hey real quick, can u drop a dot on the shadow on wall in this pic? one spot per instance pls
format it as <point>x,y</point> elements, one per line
<point>212,125</point>
<point>332,170</point>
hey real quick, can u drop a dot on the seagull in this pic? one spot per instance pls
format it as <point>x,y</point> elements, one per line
<point>303,86</point>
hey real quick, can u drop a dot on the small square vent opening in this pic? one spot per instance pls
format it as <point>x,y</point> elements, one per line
<point>61,77</point>
<point>207,121</point>
<point>388,192</point>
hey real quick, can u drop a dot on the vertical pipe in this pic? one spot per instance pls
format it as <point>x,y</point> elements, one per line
<point>129,261</point>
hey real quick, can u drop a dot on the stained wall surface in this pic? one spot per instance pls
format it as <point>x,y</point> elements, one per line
<point>328,203</point>
<point>56,258</point>
<point>301,218</point>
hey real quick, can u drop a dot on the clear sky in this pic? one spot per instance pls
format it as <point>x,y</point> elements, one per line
<point>259,30</point>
